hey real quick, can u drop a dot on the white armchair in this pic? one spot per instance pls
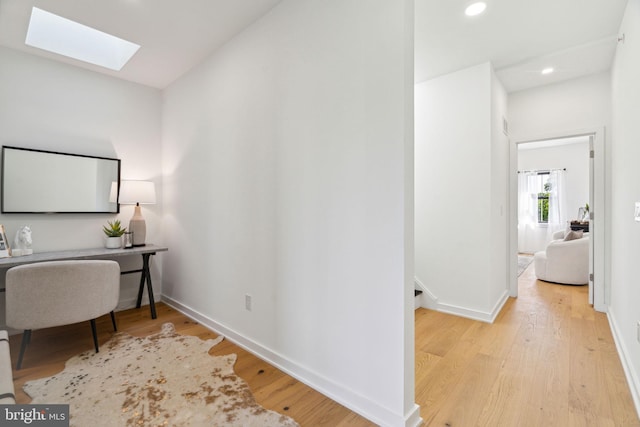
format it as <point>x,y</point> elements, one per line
<point>565,262</point>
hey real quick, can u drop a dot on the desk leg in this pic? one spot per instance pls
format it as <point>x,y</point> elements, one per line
<point>146,277</point>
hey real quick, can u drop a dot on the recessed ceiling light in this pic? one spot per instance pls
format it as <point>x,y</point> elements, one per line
<point>475,8</point>
<point>63,36</point>
<point>547,70</point>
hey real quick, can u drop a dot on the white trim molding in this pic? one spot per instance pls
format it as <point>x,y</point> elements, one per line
<point>483,316</point>
<point>427,299</point>
<point>430,301</point>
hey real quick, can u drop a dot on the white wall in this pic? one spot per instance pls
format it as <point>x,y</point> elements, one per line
<point>287,162</point>
<point>554,109</point>
<point>624,308</point>
<point>572,157</point>
<point>460,190</point>
<point>52,106</point>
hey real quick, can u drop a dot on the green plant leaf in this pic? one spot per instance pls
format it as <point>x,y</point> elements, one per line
<point>114,229</point>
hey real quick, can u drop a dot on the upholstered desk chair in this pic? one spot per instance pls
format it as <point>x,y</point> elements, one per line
<point>56,293</point>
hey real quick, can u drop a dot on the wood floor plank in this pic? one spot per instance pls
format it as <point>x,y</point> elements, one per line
<point>512,388</point>
<point>479,376</point>
<point>547,403</point>
<point>448,372</point>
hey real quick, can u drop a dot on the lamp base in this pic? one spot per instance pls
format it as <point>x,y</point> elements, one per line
<point>139,227</point>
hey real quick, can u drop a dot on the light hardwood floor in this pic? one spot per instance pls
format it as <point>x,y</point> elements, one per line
<point>548,360</point>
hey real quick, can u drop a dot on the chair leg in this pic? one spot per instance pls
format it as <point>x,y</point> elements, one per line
<point>95,334</point>
<point>113,320</point>
<point>26,339</point>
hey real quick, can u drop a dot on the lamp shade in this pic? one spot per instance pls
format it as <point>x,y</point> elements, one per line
<point>137,192</point>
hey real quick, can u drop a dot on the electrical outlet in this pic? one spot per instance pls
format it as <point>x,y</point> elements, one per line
<point>247,302</point>
<point>638,331</point>
<point>636,215</point>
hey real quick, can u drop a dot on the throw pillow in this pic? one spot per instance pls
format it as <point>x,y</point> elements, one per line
<point>573,235</point>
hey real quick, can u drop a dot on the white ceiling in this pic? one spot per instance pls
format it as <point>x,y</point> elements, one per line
<point>175,35</point>
<point>519,37</point>
<point>576,37</point>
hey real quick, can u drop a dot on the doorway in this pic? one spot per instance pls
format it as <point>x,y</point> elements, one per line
<point>589,168</point>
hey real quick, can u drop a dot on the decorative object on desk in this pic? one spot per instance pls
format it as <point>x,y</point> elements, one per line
<point>114,234</point>
<point>162,379</point>
<point>128,239</point>
<point>582,223</point>
<point>137,192</point>
<point>22,242</point>
<point>5,250</point>
<point>583,213</point>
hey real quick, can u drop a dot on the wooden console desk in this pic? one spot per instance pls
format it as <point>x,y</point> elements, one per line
<point>98,253</point>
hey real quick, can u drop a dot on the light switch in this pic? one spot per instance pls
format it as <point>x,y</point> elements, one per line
<point>637,212</point>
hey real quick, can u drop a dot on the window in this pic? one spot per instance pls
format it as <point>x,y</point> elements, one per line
<point>543,189</point>
<point>543,208</point>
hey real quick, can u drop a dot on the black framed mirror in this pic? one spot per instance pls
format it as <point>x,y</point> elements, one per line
<point>39,181</point>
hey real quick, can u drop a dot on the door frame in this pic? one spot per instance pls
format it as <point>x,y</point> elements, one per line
<point>597,209</point>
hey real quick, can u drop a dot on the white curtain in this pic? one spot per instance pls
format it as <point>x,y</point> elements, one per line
<point>557,203</point>
<point>527,211</point>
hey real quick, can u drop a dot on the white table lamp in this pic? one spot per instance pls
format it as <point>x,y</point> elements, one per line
<point>138,193</point>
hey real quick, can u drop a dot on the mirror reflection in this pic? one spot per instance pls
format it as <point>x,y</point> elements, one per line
<point>37,181</point>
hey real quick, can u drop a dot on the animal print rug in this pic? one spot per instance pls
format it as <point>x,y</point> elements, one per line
<point>163,379</point>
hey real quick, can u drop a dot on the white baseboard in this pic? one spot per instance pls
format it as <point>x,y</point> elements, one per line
<point>413,418</point>
<point>431,302</point>
<point>625,359</point>
<point>427,299</point>
<point>348,398</point>
<point>483,316</point>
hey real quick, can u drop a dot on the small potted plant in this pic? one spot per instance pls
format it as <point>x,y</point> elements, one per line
<point>114,234</point>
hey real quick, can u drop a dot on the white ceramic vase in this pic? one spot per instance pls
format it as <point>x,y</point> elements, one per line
<point>113,242</point>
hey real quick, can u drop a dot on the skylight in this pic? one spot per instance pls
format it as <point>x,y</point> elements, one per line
<point>475,8</point>
<point>69,38</point>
